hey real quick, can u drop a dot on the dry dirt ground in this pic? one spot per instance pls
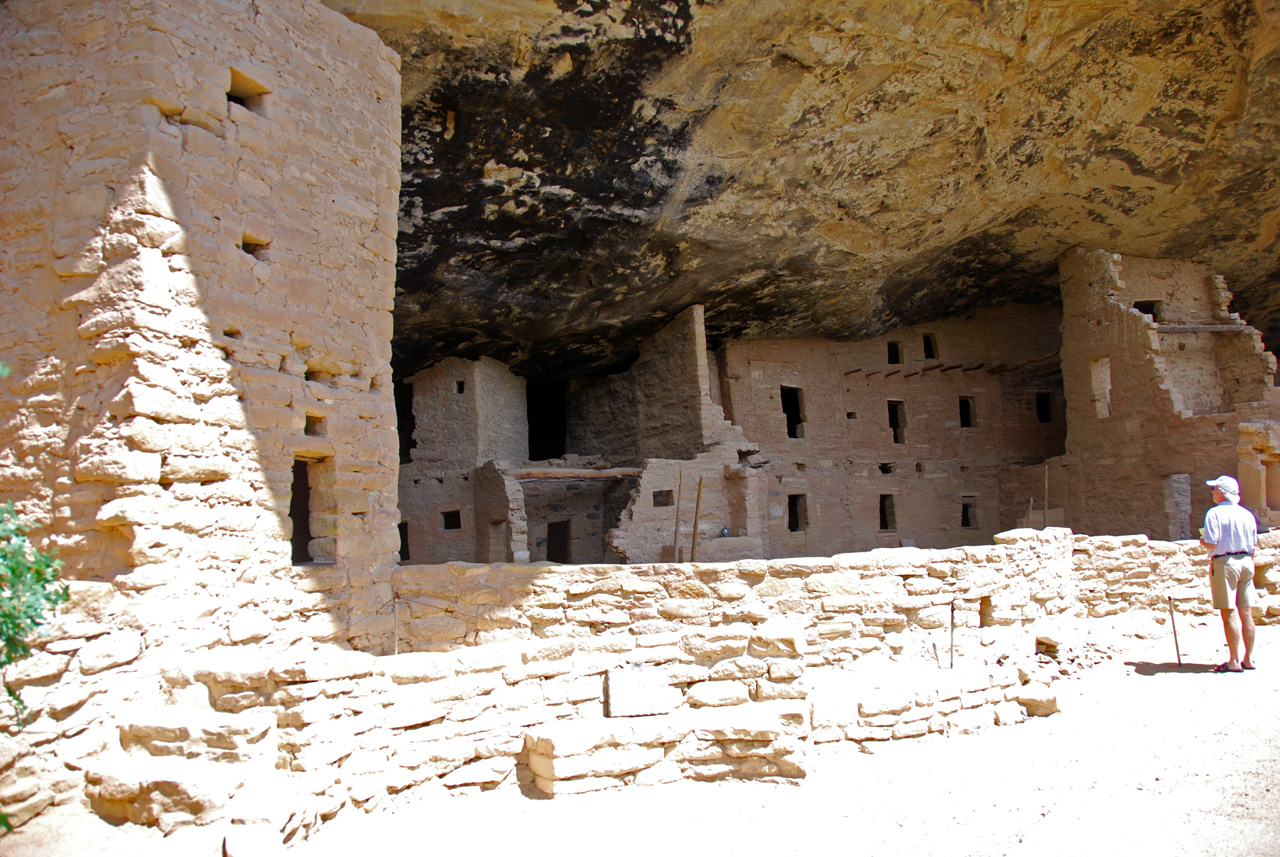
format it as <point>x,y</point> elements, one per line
<point>1146,757</point>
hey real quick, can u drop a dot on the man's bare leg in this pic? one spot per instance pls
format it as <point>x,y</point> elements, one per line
<point>1231,627</point>
<point>1247,632</point>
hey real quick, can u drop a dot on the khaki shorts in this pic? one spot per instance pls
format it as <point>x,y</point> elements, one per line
<point>1231,581</point>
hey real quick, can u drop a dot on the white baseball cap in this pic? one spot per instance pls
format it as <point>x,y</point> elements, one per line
<point>1227,485</point>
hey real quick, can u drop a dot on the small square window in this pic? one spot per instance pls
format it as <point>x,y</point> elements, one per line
<point>662,498</point>
<point>314,426</point>
<point>254,247</point>
<point>451,520</point>
<point>460,386</point>
<point>246,92</point>
<point>850,415</point>
<point>886,467</point>
<point>1151,309</point>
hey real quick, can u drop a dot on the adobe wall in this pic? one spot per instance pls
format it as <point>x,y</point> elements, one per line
<point>1140,449</point>
<point>198,293</point>
<point>999,360</point>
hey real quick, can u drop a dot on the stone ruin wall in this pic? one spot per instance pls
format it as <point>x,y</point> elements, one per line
<point>197,294</point>
<point>505,675</point>
<point>1145,432</point>
<point>999,360</point>
<point>466,414</point>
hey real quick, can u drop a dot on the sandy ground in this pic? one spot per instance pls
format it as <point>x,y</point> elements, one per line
<point>1146,757</point>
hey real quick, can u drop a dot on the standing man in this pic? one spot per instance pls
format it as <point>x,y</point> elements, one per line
<point>1231,534</point>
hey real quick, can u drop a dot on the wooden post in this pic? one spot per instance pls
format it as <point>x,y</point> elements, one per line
<point>675,540</point>
<point>697,511</point>
<point>395,621</point>
<point>1045,522</point>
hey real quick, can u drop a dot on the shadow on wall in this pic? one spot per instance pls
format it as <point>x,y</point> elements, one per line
<point>204,403</point>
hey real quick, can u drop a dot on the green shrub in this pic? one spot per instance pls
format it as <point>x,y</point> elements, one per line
<point>29,589</point>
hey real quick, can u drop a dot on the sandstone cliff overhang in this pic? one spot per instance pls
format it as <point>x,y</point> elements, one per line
<point>577,173</point>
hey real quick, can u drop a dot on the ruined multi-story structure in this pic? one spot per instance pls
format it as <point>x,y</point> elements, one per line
<point>197,263</point>
<point>1107,414</point>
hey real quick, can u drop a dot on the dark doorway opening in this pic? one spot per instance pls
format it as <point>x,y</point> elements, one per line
<point>404,420</point>
<point>547,423</point>
<point>898,420</point>
<point>930,344</point>
<point>968,512</point>
<point>895,352</point>
<point>558,541</point>
<point>404,541</point>
<point>1044,407</point>
<point>793,408</point>
<point>888,520</point>
<point>300,512</point>
<point>966,412</point>
<point>797,512</point>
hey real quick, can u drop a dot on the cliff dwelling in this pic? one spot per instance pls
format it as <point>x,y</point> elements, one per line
<point>417,372</point>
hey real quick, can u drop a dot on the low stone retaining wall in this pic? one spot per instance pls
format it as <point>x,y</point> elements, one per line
<point>570,678</point>
<point>850,604</point>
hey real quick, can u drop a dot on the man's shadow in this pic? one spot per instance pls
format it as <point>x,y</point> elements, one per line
<point>1147,668</point>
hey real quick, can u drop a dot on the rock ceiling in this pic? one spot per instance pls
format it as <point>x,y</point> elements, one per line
<point>575,173</point>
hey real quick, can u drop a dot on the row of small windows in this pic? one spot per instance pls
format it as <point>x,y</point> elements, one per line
<point>798,513</point>
<point>928,344</point>
<point>793,410</point>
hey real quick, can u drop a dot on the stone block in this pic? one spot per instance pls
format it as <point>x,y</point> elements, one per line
<point>971,720</point>
<point>718,693</point>
<point>1037,698</point>
<point>327,663</point>
<point>1009,713</point>
<point>485,772</point>
<point>739,668</point>
<point>601,762</point>
<point>112,650</point>
<point>411,667</point>
<point>637,690</point>
<point>39,668</point>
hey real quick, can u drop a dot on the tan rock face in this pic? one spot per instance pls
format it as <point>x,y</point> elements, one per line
<point>810,169</point>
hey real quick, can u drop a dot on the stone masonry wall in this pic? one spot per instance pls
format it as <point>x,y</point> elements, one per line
<point>467,412</point>
<point>1143,419</point>
<point>574,678</point>
<point>201,295</point>
<point>884,600</point>
<point>844,456</point>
